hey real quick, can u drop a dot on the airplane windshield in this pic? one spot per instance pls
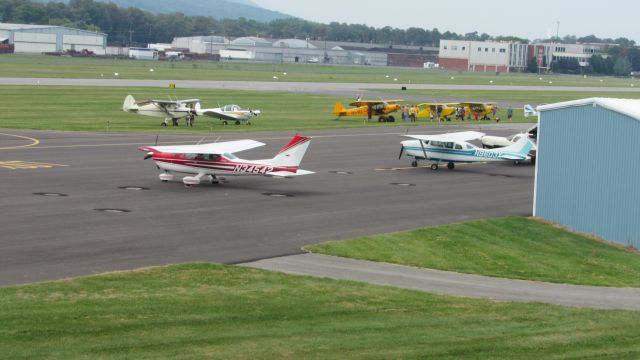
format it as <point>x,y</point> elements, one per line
<point>230,156</point>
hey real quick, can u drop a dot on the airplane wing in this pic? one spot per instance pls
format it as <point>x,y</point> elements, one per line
<point>219,115</point>
<point>457,136</point>
<point>228,147</point>
<point>373,102</point>
<point>168,103</point>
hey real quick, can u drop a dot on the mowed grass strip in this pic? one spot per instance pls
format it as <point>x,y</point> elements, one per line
<point>100,109</point>
<point>531,97</point>
<point>214,311</point>
<point>22,65</point>
<point>511,247</point>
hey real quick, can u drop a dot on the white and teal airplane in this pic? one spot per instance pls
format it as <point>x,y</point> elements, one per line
<point>454,148</point>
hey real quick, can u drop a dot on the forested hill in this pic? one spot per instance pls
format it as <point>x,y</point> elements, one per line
<point>218,9</point>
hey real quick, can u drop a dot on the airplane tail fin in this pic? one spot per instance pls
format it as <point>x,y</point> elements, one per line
<point>292,153</point>
<point>529,111</point>
<point>129,104</point>
<point>519,150</point>
<point>339,109</point>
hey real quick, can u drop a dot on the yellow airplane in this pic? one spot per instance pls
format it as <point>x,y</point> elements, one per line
<point>446,110</point>
<point>380,108</point>
<point>483,109</point>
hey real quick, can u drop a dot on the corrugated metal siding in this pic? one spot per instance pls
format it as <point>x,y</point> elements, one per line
<point>588,172</point>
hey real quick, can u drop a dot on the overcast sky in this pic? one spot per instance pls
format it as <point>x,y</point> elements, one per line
<point>612,18</point>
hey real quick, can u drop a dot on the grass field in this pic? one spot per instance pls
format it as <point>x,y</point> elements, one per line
<point>511,247</point>
<point>213,311</point>
<point>18,65</point>
<point>529,97</point>
<point>93,108</point>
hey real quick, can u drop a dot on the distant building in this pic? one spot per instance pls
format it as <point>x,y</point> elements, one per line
<point>251,41</point>
<point>587,167</point>
<point>546,53</point>
<point>294,44</point>
<point>46,38</point>
<point>482,56</point>
<point>200,44</point>
<point>490,56</point>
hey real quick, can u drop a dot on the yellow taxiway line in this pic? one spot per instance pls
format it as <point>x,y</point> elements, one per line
<point>34,142</point>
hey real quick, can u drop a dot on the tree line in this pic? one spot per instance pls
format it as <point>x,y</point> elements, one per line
<point>128,26</point>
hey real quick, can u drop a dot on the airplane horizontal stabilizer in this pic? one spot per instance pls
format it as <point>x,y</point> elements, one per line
<point>286,174</point>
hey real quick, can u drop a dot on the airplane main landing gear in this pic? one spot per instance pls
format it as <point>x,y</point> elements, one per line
<point>451,166</point>
<point>414,163</point>
<point>237,122</point>
<point>224,122</point>
<point>166,177</point>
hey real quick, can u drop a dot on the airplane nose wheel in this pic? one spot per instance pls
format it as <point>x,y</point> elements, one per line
<point>434,167</point>
<point>451,166</point>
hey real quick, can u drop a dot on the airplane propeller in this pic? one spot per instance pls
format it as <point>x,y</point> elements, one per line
<point>401,152</point>
<point>148,156</point>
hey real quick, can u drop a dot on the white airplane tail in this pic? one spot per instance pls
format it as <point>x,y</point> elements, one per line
<point>292,153</point>
<point>529,111</point>
<point>129,104</point>
<point>519,150</point>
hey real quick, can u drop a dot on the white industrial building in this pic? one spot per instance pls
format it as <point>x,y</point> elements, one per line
<point>482,56</point>
<point>277,51</point>
<point>47,38</point>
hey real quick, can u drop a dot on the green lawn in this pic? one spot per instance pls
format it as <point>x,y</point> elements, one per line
<point>95,108</point>
<point>512,247</point>
<point>19,65</point>
<point>212,311</point>
<point>530,97</point>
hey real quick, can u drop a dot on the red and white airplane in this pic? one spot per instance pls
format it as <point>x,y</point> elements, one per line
<point>208,161</point>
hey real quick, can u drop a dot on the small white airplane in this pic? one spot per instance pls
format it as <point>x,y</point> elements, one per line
<point>494,142</point>
<point>208,161</point>
<point>529,111</point>
<point>169,110</point>
<point>229,113</point>
<point>454,148</point>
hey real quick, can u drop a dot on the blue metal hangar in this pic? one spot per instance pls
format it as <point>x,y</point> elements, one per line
<point>588,166</point>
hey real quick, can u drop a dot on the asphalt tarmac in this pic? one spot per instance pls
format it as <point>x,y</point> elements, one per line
<point>360,188</point>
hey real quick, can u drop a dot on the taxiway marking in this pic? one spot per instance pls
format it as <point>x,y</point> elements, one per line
<point>34,142</point>
<point>27,165</point>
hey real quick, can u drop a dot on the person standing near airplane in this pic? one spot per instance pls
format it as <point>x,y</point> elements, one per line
<point>509,113</point>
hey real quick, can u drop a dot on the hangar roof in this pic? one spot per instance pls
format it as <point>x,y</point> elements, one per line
<point>8,26</point>
<point>629,107</point>
<point>18,27</point>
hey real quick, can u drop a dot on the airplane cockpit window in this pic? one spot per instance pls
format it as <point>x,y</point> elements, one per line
<point>235,108</point>
<point>470,147</point>
<point>189,156</point>
<point>212,157</point>
<point>426,142</point>
<point>437,144</point>
<point>230,156</point>
<point>448,145</point>
<point>458,147</point>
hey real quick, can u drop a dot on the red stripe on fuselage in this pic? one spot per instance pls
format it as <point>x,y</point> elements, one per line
<point>223,164</point>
